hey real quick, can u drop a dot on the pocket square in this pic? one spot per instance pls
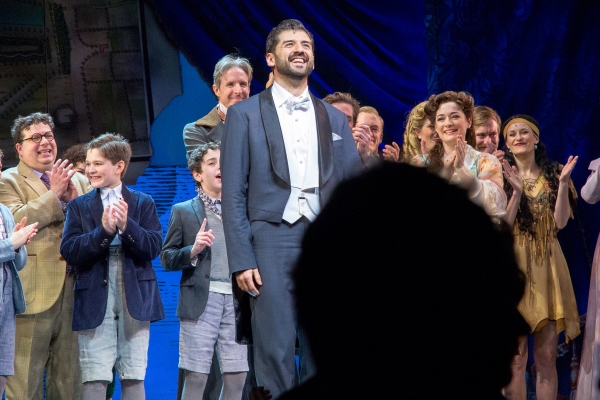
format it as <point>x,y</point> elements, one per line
<point>336,136</point>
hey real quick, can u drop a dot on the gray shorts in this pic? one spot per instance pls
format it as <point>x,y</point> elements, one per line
<point>120,340</point>
<point>215,328</point>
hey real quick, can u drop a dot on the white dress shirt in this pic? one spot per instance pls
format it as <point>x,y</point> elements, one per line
<point>299,128</point>
<point>110,196</point>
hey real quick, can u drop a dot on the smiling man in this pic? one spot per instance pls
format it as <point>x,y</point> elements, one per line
<point>486,128</point>
<point>231,84</point>
<point>369,120</point>
<point>283,153</point>
<point>40,188</point>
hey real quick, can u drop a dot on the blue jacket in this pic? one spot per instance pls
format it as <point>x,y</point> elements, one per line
<point>85,246</point>
<point>16,261</point>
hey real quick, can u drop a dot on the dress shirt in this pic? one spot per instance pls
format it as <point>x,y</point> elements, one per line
<point>299,131</point>
<point>110,196</point>
<point>223,109</point>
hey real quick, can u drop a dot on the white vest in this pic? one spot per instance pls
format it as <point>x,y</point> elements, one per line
<point>299,131</point>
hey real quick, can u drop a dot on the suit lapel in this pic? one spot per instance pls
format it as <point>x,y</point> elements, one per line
<point>131,199</point>
<point>274,135</point>
<point>94,204</point>
<point>216,133</point>
<point>32,179</point>
<point>325,135</point>
<point>198,210</point>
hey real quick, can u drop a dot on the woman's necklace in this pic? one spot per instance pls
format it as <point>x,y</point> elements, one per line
<point>529,183</point>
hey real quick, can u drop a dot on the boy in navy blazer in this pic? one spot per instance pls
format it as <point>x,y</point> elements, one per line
<point>111,236</point>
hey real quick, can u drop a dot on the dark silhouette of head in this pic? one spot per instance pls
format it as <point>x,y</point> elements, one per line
<point>427,315</point>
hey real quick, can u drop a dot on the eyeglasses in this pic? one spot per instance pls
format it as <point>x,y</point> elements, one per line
<point>37,137</point>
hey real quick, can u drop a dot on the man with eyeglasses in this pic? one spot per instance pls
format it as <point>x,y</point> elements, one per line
<point>39,188</point>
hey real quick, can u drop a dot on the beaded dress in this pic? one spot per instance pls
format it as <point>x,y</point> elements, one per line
<point>549,292</point>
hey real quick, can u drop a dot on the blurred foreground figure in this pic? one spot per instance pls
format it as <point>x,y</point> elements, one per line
<point>436,319</point>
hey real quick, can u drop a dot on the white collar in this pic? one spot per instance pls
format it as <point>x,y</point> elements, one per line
<point>118,191</point>
<point>281,96</point>
<point>222,108</point>
<point>36,172</point>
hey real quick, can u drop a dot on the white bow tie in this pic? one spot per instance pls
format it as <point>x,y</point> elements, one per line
<point>299,104</point>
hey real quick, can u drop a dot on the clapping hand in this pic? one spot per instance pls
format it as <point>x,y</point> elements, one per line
<point>565,174</point>
<point>22,234</point>
<point>512,176</point>
<point>391,153</point>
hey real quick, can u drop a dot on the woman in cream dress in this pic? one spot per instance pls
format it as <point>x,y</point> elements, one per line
<point>454,160</point>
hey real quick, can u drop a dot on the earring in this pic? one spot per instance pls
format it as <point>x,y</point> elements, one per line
<point>509,150</point>
<point>535,146</point>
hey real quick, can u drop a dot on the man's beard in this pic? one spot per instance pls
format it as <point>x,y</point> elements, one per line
<point>285,68</point>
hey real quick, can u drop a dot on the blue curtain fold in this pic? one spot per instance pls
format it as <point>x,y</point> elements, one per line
<point>373,50</point>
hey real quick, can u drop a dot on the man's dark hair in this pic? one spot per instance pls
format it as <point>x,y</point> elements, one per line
<point>286,25</point>
<point>22,123</point>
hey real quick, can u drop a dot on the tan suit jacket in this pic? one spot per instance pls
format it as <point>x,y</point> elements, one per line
<point>25,195</point>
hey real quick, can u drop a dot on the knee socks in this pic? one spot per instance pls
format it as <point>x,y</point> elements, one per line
<point>132,389</point>
<point>193,386</point>
<point>94,390</point>
<point>233,385</point>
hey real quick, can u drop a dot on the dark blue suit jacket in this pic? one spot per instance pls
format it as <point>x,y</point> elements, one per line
<point>85,246</point>
<point>256,178</point>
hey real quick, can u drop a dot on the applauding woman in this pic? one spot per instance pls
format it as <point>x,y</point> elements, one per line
<point>453,159</point>
<point>419,134</point>
<point>541,199</point>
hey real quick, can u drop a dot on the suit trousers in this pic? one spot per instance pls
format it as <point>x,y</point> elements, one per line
<point>45,341</point>
<point>274,323</point>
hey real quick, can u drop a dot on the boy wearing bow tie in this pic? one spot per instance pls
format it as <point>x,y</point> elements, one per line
<point>111,236</point>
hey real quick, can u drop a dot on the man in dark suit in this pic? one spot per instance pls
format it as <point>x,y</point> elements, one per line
<point>283,152</point>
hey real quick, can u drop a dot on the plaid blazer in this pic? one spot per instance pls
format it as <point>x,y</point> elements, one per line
<point>25,195</point>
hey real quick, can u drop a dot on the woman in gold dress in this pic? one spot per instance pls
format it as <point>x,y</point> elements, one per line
<point>541,199</point>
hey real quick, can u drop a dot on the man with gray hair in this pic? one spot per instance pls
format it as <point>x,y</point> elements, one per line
<point>231,84</point>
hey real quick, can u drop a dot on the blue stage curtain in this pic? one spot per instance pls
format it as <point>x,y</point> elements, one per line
<point>539,58</point>
<point>372,50</point>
